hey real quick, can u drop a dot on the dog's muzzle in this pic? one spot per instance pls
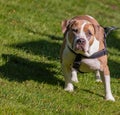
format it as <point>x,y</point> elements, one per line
<point>80,44</point>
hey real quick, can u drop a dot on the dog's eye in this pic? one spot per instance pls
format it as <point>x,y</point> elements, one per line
<point>89,33</point>
<point>75,30</point>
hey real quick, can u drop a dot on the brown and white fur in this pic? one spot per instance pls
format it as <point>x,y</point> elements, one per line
<point>84,35</point>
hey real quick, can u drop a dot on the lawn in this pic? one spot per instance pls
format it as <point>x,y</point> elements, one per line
<point>31,79</point>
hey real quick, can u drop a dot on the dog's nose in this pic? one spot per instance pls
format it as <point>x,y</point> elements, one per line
<point>81,41</point>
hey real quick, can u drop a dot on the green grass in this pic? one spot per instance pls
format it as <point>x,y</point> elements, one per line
<point>31,80</point>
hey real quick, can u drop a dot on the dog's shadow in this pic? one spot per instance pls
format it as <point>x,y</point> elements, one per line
<point>40,47</point>
<point>20,69</point>
<point>43,47</point>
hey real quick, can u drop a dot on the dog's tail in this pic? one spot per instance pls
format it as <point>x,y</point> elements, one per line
<point>109,29</point>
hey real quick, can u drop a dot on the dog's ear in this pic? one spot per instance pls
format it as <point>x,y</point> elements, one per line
<point>64,25</point>
<point>99,31</point>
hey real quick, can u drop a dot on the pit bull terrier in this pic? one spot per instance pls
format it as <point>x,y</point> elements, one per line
<point>84,44</point>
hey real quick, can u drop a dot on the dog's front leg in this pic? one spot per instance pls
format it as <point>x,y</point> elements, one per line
<point>106,81</point>
<point>68,75</point>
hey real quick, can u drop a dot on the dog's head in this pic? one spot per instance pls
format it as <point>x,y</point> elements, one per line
<point>79,34</point>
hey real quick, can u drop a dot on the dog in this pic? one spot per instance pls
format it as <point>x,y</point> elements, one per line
<point>84,49</point>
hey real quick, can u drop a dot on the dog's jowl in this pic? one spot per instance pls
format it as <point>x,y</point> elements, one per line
<point>84,50</point>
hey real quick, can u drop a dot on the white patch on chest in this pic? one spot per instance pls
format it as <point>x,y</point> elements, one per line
<point>89,65</point>
<point>94,47</point>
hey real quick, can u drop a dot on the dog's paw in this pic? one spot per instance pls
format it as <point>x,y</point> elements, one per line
<point>110,98</point>
<point>69,87</point>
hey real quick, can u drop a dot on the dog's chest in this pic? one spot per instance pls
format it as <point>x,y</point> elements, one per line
<point>89,65</point>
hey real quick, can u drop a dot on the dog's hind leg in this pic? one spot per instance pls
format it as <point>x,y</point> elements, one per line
<point>97,76</point>
<point>74,76</point>
<point>106,80</point>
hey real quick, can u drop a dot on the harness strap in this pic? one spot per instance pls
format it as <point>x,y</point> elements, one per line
<point>93,56</point>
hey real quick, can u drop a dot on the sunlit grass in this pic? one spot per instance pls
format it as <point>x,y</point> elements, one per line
<point>30,72</point>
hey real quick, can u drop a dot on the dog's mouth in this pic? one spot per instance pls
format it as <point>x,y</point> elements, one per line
<point>79,48</point>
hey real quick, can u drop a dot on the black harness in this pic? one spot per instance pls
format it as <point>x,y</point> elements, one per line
<point>79,57</point>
